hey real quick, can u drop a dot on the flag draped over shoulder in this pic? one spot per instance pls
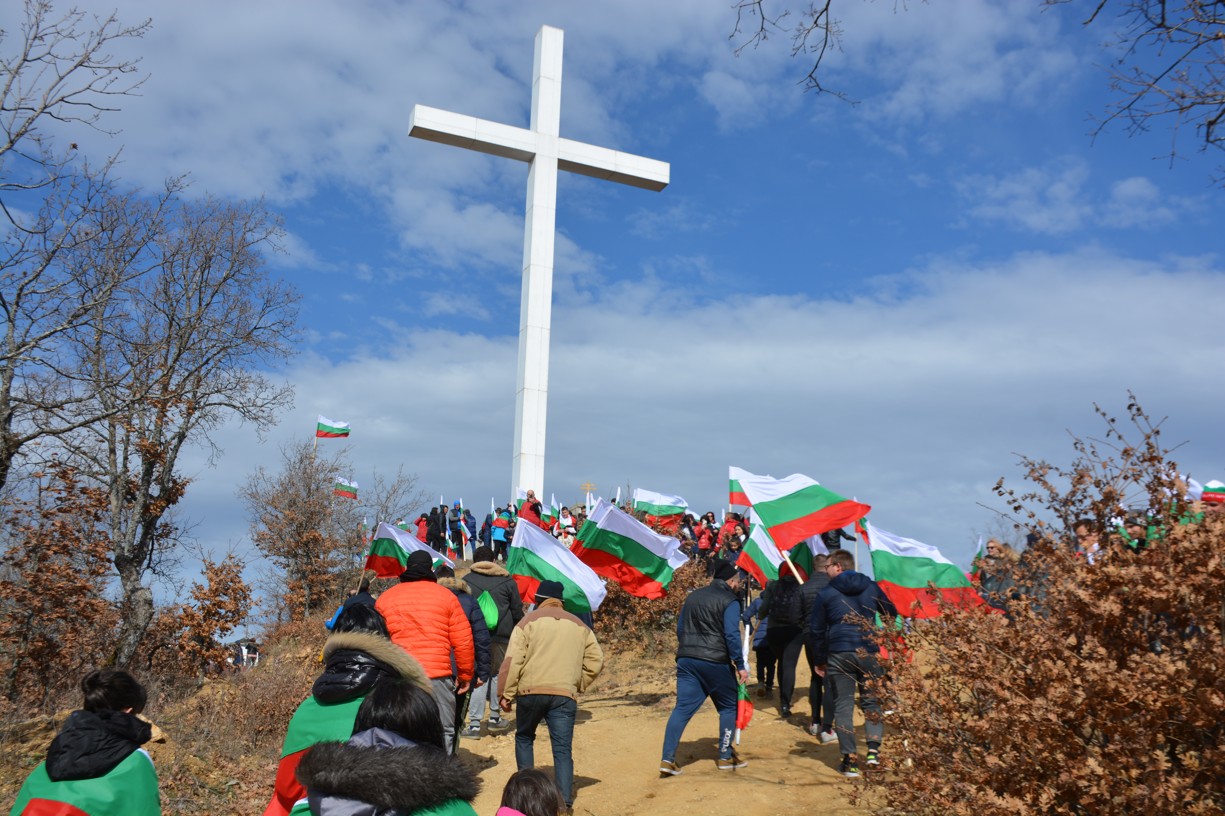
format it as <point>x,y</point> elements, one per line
<point>130,789</point>
<point>618,546</point>
<point>311,724</point>
<point>390,548</point>
<point>536,556</point>
<point>345,489</point>
<point>331,429</point>
<point>762,559</point>
<point>797,507</point>
<point>915,575</point>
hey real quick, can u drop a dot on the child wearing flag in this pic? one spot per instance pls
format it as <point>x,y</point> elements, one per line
<point>95,765</point>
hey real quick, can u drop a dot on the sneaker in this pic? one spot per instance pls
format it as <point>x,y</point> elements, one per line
<point>872,759</point>
<point>849,767</point>
<point>761,691</point>
<point>498,723</point>
<point>814,729</point>
<point>473,731</point>
<point>668,768</point>
<point>784,711</point>
<point>731,763</point>
<point>827,737</point>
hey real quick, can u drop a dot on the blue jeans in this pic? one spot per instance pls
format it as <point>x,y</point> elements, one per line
<point>695,681</point>
<point>558,714</point>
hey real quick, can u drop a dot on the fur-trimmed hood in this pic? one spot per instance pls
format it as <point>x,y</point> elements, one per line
<point>492,568</point>
<point>382,650</point>
<point>455,585</point>
<point>384,770</point>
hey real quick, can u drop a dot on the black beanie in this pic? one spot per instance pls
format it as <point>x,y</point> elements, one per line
<point>420,567</point>
<point>725,570</point>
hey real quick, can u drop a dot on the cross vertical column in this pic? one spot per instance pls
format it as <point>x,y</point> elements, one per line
<point>531,398</point>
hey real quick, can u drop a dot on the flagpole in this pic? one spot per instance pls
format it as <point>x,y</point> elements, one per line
<point>787,557</point>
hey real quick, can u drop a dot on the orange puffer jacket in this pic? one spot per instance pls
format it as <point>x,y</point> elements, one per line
<point>426,621</point>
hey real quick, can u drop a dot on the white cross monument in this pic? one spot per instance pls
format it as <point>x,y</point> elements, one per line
<point>541,146</point>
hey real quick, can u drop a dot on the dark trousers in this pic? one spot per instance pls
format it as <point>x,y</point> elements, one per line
<point>765,664</point>
<point>558,714</point>
<point>848,672</point>
<point>785,641</point>
<point>695,681</point>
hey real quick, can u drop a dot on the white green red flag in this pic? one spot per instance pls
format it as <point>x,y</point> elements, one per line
<point>1214,492</point>
<point>536,556</point>
<point>331,429</point>
<point>619,547</point>
<point>345,489</point>
<point>763,560</point>
<point>797,507</point>
<point>390,549</point>
<point>130,789</point>
<point>735,493</point>
<point>916,576</point>
<point>311,724</point>
<point>976,564</point>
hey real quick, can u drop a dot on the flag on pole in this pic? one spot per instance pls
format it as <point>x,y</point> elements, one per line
<point>914,575</point>
<point>658,504</point>
<point>617,546</point>
<point>976,565</point>
<point>744,707</point>
<point>129,789</point>
<point>345,488</point>
<point>536,556</point>
<point>763,560</point>
<point>735,493</point>
<point>797,507</point>
<point>617,500</point>
<point>331,429</point>
<point>390,548</point>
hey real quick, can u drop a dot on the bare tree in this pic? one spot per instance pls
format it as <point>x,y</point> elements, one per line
<point>61,71</point>
<point>1170,67</point>
<point>194,335</point>
<point>60,211</point>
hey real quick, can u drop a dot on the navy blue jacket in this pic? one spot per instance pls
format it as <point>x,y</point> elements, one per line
<point>837,620</point>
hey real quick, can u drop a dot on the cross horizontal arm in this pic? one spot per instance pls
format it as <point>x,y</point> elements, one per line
<point>436,125</point>
<point>613,165</point>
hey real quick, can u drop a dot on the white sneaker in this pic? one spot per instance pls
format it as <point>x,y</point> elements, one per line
<point>827,737</point>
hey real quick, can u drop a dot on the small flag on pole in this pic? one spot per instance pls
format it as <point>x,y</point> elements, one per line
<point>345,489</point>
<point>331,429</point>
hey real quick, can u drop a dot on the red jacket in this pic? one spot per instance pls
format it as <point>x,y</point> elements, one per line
<point>426,620</point>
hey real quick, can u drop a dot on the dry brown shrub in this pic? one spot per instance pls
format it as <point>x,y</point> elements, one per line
<point>1102,691</point>
<point>627,623</point>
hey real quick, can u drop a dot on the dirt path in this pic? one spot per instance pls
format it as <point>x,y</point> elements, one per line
<point>618,737</point>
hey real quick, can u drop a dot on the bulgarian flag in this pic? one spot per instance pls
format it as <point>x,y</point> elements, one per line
<point>331,429</point>
<point>1214,493</point>
<point>618,546</point>
<point>913,575</point>
<point>976,565</point>
<point>665,511</point>
<point>735,493</point>
<point>536,556</point>
<point>311,724</point>
<point>390,548</point>
<point>744,708</point>
<point>549,512</point>
<point>130,789</point>
<point>797,507</point>
<point>345,489</point>
<point>763,560</point>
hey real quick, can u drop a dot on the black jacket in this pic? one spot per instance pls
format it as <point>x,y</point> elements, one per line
<point>377,773</point>
<point>843,612</point>
<point>92,743</point>
<point>476,619</point>
<point>700,633</point>
<point>354,661</point>
<point>488,576</point>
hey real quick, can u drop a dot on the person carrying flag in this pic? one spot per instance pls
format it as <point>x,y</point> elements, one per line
<point>708,636</point>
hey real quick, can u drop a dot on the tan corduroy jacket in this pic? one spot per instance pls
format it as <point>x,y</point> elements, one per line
<point>550,652</point>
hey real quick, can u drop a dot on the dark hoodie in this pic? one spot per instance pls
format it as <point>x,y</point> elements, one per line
<point>379,772</point>
<point>92,743</point>
<point>842,614</point>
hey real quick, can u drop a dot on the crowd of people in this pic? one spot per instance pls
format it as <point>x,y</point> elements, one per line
<point>439,657</point>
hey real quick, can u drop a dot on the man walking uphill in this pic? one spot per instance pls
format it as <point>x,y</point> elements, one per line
<point>843,648</point>
<point>427,621</point>
<point>552,657</point>
<point>499,597</point>
<point>709,644</point>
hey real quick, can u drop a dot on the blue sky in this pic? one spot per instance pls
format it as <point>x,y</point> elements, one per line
<point>893,297</point>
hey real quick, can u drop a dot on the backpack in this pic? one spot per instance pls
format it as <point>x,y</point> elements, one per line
<point>489,608</point>
<point>786,604</point>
